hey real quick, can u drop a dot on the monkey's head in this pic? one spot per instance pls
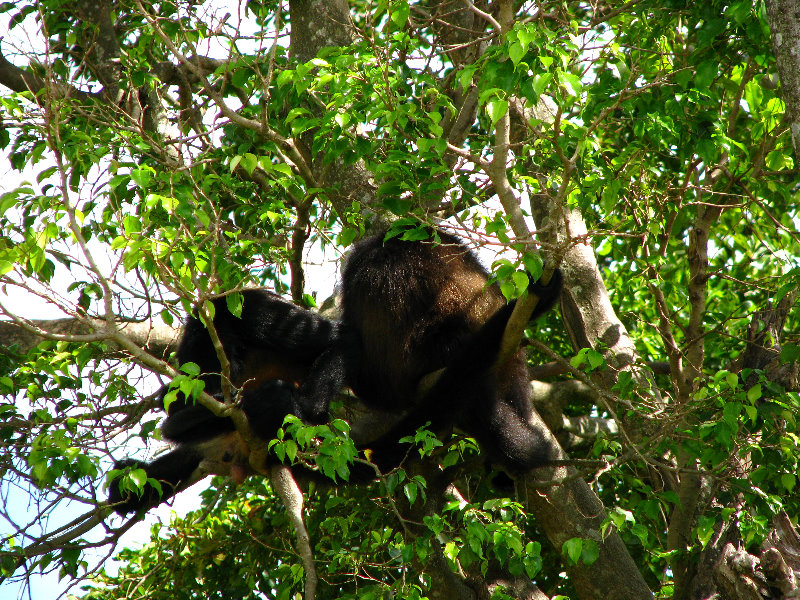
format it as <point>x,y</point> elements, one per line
<point>227,455</point>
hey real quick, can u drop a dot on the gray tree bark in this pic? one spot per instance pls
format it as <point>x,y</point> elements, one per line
<point>784,23</point>
<point>571,508</point>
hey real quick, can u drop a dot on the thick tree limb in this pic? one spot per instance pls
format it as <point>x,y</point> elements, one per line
<point>784,23</point>
<point>20,80</point>
<point>103,54</point>
<point>156,340</point>
<point>317,24</point>
<point>764,345</point>
<point>569,508</point>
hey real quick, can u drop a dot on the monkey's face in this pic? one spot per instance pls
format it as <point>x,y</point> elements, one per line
<point>227,455</point>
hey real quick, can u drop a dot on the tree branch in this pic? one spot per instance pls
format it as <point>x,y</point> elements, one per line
<point>20,81</point>
<point>156,340</point>
<point>285,485</point>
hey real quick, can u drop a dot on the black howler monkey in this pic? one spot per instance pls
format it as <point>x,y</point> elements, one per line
<point>409,308</point>
<point>282,358</point>
<point>417,307</point>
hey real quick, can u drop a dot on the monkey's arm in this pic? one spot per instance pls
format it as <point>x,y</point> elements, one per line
<point>174,470</point>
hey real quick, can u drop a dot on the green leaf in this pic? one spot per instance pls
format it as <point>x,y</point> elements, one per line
<point>520,280</point>
<point>466,75</point>
<point>572,550</point>
<point>541,81</point>
<point>533,264</point>
<point>732,380</point>
<point>399,206</point>
<point>410,491</point>
<point>139,477</point>
<point>705,74</point>
<point>777,160</point>
<point>496,109</point>
<point>508,289</point>
<point>754,393</point>
<point>249,162</point>
<point>417,234</point>
<point>731,412</point>
<point>400,12</point>
<point>572,83</point>
<point>596,359</point>
<point>234,303</point>
<point>739,11</point>
<point>142,177</point>
<point>45,174</point>
<point>590,552</point>
<point>347,235</point>
<point>516,51</point>
<point>131,224</point>
<point>9,199</point>
<point>790,353</point>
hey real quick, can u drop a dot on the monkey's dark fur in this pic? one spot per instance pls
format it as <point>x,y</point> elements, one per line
<point>271,348</point>
<point>409,308</point>
<point>418,307</point>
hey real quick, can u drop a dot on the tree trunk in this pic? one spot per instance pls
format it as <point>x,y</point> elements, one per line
<point>784,22</point>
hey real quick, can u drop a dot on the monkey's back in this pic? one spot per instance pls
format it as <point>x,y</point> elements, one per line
<point>413,305</point>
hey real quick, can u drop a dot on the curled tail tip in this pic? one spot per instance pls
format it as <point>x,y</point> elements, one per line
<point>547,294</point>
<point>552,288</point>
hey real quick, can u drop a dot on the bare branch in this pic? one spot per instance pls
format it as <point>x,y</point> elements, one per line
<point>25,334</point>
<point>287,488</point>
